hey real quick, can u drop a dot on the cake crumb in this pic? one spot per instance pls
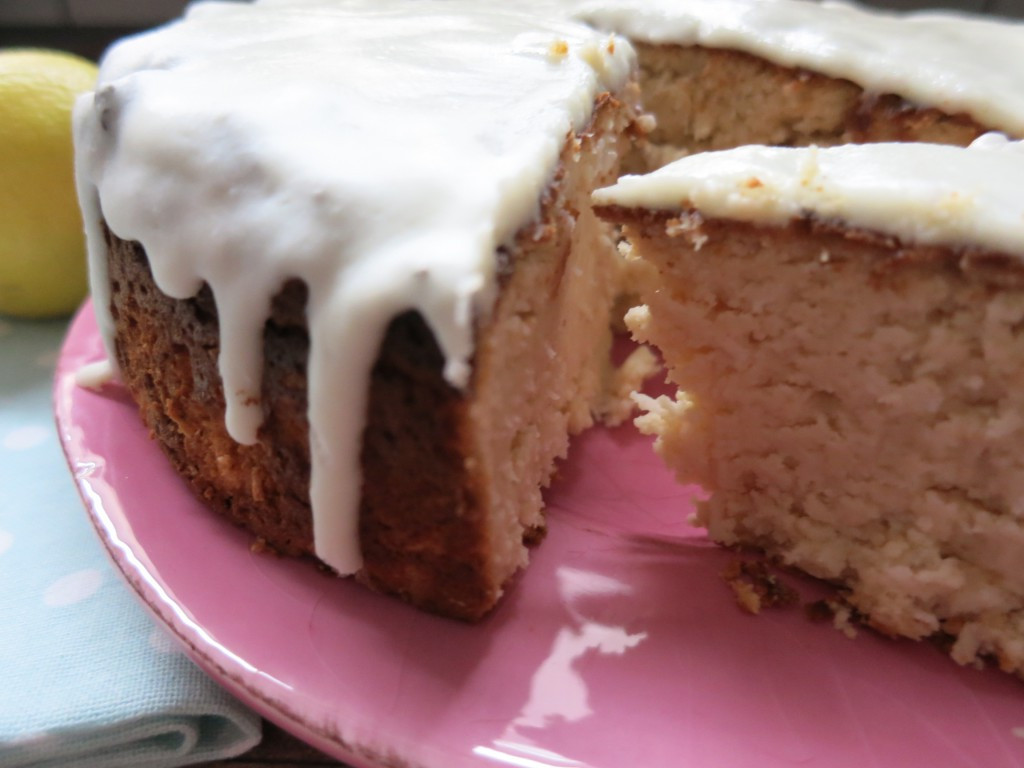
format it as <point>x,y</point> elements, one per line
<point>756,587</point>
<point>844,621</point>
<point>259,546</point>
<point>684,223</point>
<point>616,403</point>
<point>645,124</point>
<point>842,616</point>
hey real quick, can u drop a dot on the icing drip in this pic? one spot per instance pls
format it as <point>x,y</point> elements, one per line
<point>378,151</point>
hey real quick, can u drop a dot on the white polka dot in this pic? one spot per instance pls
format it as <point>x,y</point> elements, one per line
<point>73,588</point>
<point>161,642</point>
<point>6,540</point>
<point>23,438</point>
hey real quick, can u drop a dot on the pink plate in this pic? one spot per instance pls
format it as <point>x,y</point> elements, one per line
<point>619,646</point>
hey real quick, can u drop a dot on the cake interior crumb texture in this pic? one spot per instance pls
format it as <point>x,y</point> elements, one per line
<point>855,410</point>
<point>712,98</point>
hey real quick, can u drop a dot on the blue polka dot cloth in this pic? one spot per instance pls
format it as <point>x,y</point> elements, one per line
<point>86,677</point>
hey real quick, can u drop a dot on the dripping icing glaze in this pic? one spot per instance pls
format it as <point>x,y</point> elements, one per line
<point>438,125</point>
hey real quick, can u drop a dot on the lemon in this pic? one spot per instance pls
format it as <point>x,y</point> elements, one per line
<point>42,248</point>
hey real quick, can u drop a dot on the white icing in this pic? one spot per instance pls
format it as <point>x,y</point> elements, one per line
<point>95,375</point>
<point>950,61</point>
<point>379,151</point>
<point>922,193</point>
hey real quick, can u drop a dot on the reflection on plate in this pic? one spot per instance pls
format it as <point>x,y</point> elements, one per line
<point>619,646</point>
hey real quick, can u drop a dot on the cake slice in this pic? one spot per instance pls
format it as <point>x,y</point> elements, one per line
<point>343,256</point>
<point>723,73</point>
<point>844,326</point>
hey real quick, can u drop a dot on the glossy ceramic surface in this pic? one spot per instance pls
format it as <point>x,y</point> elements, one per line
<point>619,646</point>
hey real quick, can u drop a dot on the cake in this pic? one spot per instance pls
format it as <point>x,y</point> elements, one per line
<point>409,316</point>
<point>343,254</point>
<point>843,325</point>
<point>722,73</point>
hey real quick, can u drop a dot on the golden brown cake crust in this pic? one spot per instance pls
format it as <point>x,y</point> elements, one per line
<point>419,550</point>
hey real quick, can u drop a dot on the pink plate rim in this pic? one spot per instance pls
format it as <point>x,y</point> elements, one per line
<point>619,645</point>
